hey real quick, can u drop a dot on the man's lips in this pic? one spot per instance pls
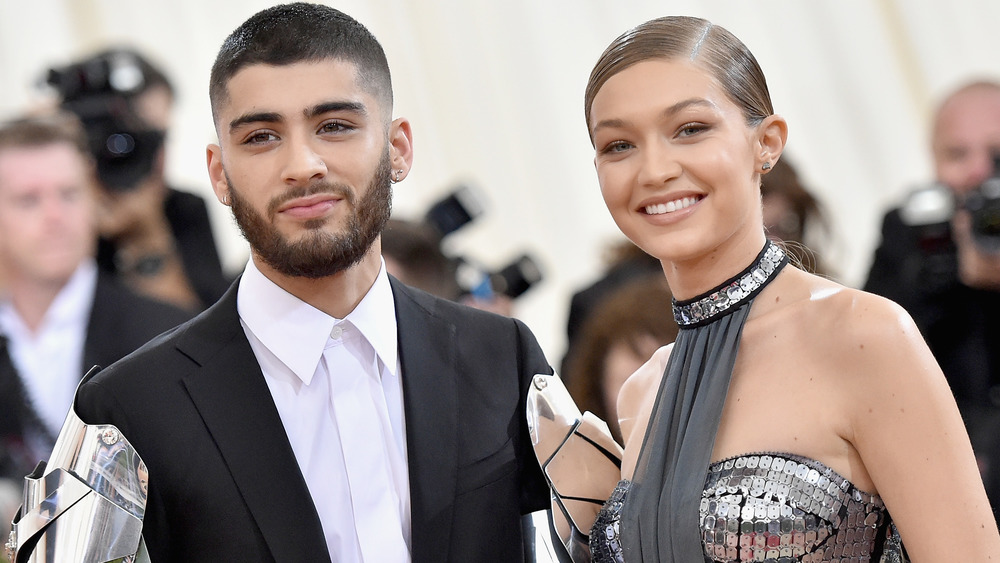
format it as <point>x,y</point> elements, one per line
<point>309,207</point>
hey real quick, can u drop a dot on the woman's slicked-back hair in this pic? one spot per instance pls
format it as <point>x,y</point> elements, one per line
<point>302,32</point>
<point>698,40</point>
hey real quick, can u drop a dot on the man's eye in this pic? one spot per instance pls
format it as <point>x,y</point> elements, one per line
<point>27,201</point>
<point>260,137</point>
<point>334,127</point>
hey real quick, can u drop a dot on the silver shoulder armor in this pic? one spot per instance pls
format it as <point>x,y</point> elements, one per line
<point>579,457</point>
<point>86,504</point>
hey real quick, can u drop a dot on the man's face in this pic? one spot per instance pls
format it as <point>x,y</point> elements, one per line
<point>46,212</point>
<point>305,164</point>
<point>966,136</point>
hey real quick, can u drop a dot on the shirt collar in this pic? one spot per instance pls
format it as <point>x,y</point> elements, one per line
<point>296,332</point>
<point>71,306</point>
<point>375,318</point>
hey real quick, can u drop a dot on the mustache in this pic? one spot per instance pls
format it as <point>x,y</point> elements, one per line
<point>320,187</point>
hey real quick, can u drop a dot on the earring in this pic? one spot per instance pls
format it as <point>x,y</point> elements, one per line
<point>225,199</point>
<point>766,166</point>
<point>396,175</point>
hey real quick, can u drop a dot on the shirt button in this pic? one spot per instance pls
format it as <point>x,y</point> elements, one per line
<point>337,332</point>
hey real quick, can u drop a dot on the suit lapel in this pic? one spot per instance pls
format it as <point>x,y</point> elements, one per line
<point>235,403</point>
<point>427,356</point>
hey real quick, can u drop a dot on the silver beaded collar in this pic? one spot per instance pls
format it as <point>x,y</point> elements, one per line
<point>741,288</point>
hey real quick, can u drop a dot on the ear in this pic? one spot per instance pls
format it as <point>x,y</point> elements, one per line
<point>771,136</point>
<point>217,174</point>
<point>401,146</point>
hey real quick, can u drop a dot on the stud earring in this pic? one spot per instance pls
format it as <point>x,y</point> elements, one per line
<point>225,199</point>
<point>766,166</point>
<point>396,175</point>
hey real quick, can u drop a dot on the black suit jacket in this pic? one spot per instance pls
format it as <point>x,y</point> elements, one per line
<point>224,483</point>
<point>120,322</point>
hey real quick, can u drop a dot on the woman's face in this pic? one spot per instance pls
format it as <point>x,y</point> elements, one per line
<point>677,164</point>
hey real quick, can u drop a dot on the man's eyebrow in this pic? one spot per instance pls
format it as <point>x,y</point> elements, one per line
<point>327,107</point>
<point>257,117</point>
<point>674,109</point>
<point>314,111</point>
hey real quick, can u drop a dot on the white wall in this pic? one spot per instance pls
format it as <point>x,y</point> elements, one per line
<point>494,91</point>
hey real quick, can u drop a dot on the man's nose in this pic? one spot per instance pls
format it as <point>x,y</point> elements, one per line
<point>303,163</point>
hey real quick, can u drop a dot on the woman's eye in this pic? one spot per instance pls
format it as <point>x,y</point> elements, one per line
<point>691,129</point>
<point>617,147</point>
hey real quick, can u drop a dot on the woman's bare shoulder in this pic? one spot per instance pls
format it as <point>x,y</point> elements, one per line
<point>635,403</point>
<point>850,317</point>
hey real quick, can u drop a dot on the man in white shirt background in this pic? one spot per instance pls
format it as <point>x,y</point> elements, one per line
<point>58,315</point>
<point>322,410</point>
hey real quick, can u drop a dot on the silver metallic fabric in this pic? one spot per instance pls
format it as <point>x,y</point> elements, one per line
<point>580,459</point>
<point>782,508</point>
<point>659,519</point>
<point>87,504</point>
<point>775,508</point>
<point>605,536</point>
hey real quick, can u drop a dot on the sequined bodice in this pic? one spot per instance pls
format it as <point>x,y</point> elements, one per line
<point>776,508</point>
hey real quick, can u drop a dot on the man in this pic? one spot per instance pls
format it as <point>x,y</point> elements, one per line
<point>321,410</point>
<point>58,315</point>
<point>933,267</point>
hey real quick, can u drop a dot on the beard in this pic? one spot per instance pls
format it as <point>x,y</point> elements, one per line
<point>318,253</point>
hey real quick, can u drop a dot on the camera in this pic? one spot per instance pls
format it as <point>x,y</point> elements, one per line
<point>929,210</point>
<point>459,208</point>
<point>983,205</point>
<point>100,91</point>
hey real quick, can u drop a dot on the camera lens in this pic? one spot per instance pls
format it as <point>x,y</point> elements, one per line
<point>983,204</point>
<point>120,145</point>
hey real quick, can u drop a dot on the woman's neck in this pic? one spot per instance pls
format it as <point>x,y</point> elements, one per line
<point>694,276</point>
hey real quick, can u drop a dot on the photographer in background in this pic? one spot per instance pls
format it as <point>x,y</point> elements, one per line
<point>940,259</point>
<point>414,254</point>
<point>156,238</point>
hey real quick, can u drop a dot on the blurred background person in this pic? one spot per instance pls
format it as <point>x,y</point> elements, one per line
<point>946,272</point>
<point>622,332</point>
<point>59,315</point>
<point>412,253</point>
<point>793,216</point>
<point>156,238</point>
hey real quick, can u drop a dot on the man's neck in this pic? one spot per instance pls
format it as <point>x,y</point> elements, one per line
<point>31,298</point>
<point>335,295</point>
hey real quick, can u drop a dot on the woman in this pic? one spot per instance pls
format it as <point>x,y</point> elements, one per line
<point>792,415</point>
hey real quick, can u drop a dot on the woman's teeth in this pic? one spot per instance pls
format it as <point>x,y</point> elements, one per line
<point>671,206</point>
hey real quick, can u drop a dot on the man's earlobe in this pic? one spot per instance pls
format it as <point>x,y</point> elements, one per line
<point>217,173</point>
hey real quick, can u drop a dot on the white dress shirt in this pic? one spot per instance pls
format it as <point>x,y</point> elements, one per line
<point>294,343</point>
<point>49,360</point>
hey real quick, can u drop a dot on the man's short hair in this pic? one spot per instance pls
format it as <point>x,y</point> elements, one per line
<point>301,32</point>
<point>44,130</point>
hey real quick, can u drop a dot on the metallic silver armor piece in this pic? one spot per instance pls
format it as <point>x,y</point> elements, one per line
<point>87,504</point>
<point>579,457</point>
